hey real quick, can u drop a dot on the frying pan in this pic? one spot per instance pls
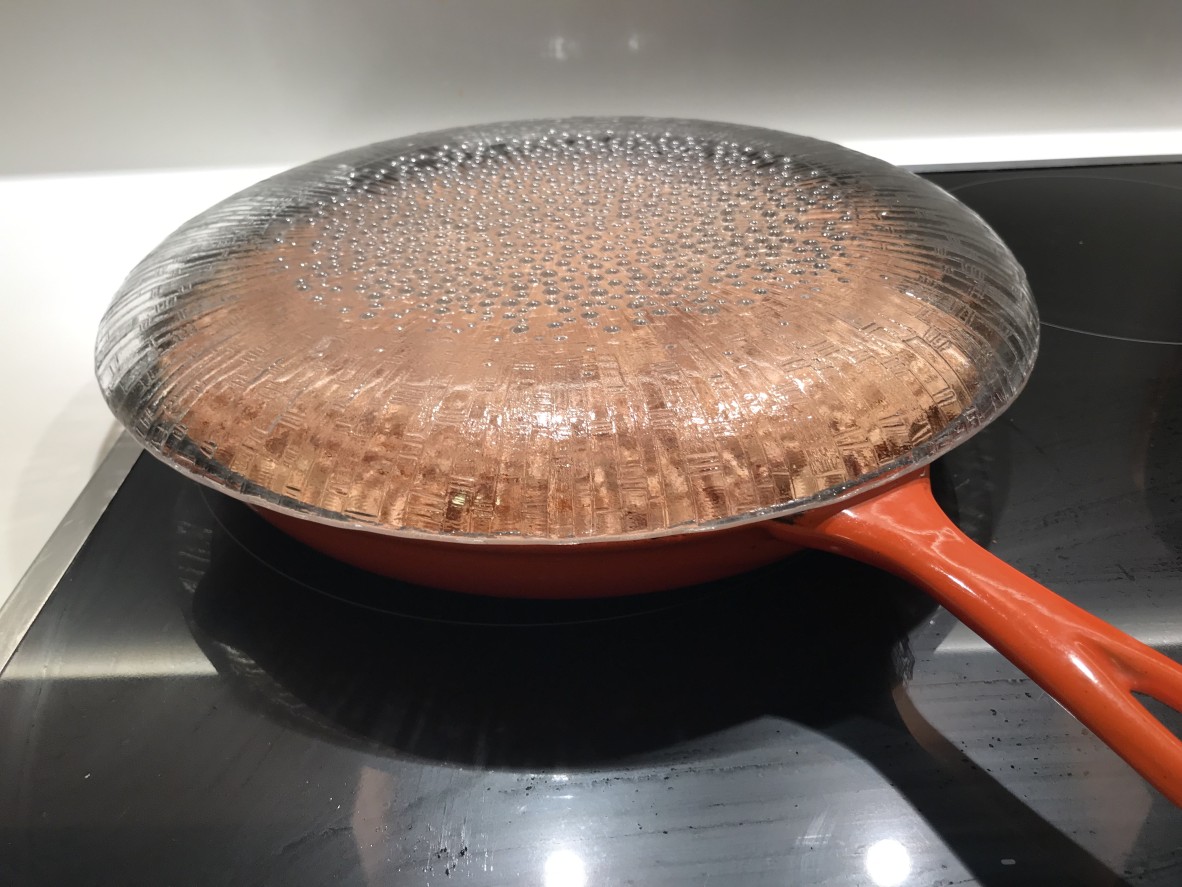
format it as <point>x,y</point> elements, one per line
<point>602,356</point>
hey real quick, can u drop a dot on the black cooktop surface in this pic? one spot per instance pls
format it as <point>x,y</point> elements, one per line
<point>203,701</point>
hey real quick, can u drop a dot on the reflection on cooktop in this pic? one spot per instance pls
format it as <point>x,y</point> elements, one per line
<point>565,693</point>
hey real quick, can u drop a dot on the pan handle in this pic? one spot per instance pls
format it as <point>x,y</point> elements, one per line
<point>1089,666</point>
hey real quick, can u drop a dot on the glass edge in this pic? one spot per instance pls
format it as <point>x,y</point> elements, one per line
<point>39,581</point>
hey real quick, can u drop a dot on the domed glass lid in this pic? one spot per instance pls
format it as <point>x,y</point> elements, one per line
<point>553,331</point>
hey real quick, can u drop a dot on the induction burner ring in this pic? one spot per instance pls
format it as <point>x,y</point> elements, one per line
<point>1071,252</point>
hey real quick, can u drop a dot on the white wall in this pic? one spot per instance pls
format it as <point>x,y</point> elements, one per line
<point>142,84</point>
<point>120,119</point>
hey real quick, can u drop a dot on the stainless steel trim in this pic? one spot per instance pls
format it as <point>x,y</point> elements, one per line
<point>35,587</point>
<point>1063,163</point>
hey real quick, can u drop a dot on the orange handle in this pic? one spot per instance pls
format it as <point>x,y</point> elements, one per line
<point>1089,666</point>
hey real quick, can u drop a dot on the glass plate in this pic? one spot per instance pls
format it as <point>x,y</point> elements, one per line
<point>553,331</point>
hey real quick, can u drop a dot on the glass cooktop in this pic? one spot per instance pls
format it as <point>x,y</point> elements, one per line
<point>203,701</point>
